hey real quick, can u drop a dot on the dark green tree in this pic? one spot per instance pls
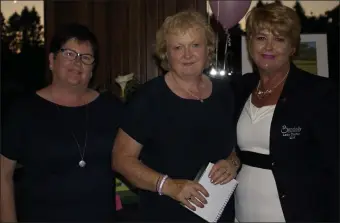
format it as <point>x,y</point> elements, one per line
<point>25,30</point>
<point>259,4</point>
<point>278,2</point>
<point>299,10</point>
<point>13,33</point>
<point>302,15</point>
<point>3,25</point>
<point>24,63</point>
<point>333,31</point>
<point>4,46</point>
<point>4,42</point>
<point>31,28</point>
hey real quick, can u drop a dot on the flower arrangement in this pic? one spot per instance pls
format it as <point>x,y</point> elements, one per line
<point>128,85</point>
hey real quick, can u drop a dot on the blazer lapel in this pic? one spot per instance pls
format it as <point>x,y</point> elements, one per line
<point>288,91</point>
<point>291,83</point>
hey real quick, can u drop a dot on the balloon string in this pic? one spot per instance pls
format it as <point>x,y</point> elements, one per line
<point>216,55</point>
<point>218,10</point>
<point>217,39</point>
<point>228,38</point>
<point>208,19</point>
<point>227,44</point>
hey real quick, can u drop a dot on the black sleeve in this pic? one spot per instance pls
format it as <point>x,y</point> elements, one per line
<point>135,121</point>
<point>12,132</point>
<point>325,128</point>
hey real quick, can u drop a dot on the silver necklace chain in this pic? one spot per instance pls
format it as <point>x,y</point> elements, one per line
<point>81,150</point>
<point>188,91</point>
<point>262,94</point>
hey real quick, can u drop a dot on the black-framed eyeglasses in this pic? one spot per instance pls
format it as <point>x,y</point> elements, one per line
<point>69,54</point>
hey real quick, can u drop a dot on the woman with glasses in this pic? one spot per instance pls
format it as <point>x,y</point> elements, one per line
<point>62,136</point>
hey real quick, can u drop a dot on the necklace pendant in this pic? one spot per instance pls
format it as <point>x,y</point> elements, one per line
<point>82,163</point>
<point>201,100</point>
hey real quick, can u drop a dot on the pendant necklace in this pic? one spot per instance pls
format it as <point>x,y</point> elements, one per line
<point>262,94</point>
<point>188,91</point>
<point>81,150</point>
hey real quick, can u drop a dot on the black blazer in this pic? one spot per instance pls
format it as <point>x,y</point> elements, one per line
<point>304,160</point>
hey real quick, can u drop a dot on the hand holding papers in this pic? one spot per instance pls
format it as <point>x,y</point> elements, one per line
<point>219,196</point>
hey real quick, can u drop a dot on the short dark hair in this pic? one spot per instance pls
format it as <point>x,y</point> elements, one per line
<point>74,31</point>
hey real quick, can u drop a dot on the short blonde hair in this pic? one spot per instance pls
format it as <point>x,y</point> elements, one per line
<point>276,18</point>
<point>181,23</point>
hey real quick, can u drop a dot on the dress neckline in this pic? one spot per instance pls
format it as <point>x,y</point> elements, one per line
<point>69,107</point>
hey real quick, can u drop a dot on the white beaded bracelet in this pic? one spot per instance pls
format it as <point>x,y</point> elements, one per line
<point>162,184</point>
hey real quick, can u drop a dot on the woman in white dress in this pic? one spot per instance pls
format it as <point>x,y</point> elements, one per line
<point>287,128</point>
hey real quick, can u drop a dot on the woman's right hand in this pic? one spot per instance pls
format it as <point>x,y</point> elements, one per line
<point>187,192</point>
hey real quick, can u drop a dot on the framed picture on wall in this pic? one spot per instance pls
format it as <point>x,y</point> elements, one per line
<point>313,55</point>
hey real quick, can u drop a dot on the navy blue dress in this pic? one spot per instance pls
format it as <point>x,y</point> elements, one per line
<point>51,186</point>
<point>179,136</point>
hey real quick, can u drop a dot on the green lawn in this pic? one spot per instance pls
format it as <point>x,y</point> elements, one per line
<point>126,195</point>
<point>120,186</point>
<point>307,65</point>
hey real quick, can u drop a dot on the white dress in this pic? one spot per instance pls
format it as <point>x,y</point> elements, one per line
<point>256,197</point>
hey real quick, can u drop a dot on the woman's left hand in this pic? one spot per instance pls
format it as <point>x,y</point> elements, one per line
<point>223,172</point>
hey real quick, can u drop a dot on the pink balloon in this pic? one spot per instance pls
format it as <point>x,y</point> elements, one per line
<point>229,13</point>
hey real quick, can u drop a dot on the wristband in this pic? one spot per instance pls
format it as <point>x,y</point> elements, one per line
<point>162,184</point>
